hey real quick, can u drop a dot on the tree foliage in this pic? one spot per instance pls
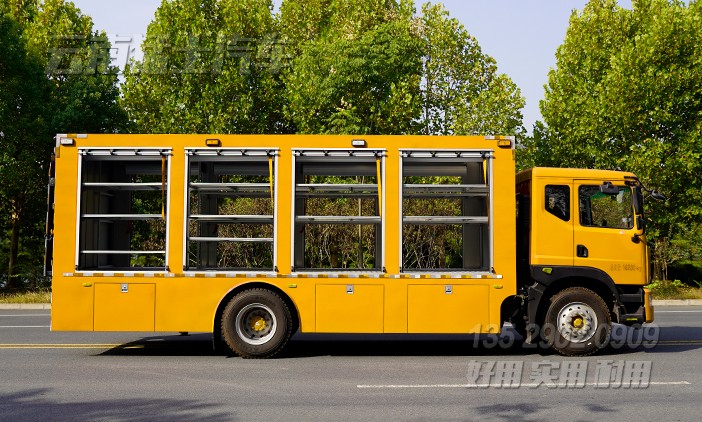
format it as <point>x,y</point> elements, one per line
<point>54,77</point>
<point>367,85</point>
<point>77,62</point>
<point>317,66</point>
<point>462,92</point>
<point>625,93</point>
<point>209,67</point>
<point>23,126</point>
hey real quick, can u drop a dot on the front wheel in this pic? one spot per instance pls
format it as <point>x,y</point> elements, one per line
<point>256,323</point>
<point>577,322</point>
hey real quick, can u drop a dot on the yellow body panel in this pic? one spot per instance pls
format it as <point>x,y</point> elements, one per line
<point>124,306</point>
<point>389,301</point>
<point>349,308</point>
<point>463,309</point>
<point>72,305</point>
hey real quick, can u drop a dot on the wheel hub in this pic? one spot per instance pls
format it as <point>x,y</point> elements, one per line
<point>255,324</point>
<point>577,322</point>
<point>258,323</point>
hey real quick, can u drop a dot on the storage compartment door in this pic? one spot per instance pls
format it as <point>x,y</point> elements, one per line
<point>447,308</point>
<point>349,308</point>
<point>124,307</point>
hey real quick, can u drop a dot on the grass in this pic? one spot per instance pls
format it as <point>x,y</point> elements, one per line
<point>40,296</point>
<point>675,290</point>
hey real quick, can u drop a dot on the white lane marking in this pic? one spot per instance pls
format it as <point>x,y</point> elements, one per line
<point>678,312</point>
<point>23,315</point>
<point>25,326</point>
<point>529,385</point>
<point>63,346</point>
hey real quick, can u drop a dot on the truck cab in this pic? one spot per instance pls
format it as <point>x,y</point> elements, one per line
<point>582,256</point>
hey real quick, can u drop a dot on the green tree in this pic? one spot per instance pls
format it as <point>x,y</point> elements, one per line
<point>309,20</point>
<point>364,85</point>
<point>462,91</point>
<point>209,66</point>
<point>56,78</point>
<point>77,61</point>
<point>373,67</point>
<point>226,66</point>
<point>625,93</point>
<point>23,135</point>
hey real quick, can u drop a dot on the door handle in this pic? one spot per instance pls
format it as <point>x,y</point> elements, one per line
<point>582,251</point>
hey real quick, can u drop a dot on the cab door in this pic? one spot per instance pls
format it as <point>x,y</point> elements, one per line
<point>605,232</point>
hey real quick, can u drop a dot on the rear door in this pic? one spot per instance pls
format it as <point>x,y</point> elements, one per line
<point>49,235</point>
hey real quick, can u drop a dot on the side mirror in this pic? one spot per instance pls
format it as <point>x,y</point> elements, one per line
<point>658,196</point>
<point>609,189</point>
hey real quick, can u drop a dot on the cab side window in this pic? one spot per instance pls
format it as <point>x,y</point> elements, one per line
<point>558,201</point>
<point>598,209</point>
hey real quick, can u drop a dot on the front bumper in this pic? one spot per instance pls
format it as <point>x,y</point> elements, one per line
<point>639,306</point>
<point>648,304</point>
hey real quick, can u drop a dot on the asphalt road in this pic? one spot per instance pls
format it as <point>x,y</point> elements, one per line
<point>165,377</point>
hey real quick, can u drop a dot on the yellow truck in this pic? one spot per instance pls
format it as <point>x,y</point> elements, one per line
<point>256,237</point>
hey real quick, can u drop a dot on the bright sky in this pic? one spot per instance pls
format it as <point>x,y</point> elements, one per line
<point>522,35</point>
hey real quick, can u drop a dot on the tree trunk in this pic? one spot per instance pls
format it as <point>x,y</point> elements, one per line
<point>14,248</point>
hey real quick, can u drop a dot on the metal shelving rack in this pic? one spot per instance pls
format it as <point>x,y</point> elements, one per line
<point>210,172</point>
<point>107,196</point>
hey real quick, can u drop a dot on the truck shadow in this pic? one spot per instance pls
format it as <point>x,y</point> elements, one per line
<point>36,405</point>
<point>625,340</point>
<point>676,339</point>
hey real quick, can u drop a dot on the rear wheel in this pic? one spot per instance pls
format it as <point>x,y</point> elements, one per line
<point>577,323</point>
<point>256,323</point>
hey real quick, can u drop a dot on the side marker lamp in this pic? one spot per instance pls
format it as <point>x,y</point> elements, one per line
<point>213,142</point>
<point>504,143</point>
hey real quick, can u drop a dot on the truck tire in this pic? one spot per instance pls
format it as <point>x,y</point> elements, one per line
<point>577,322</point>
<point>256,324</point>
